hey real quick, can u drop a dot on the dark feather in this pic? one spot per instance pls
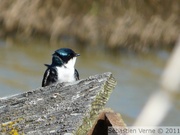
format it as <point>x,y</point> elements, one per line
<point>47,65</point>
<point>50,76</point>
<point>76,75</point>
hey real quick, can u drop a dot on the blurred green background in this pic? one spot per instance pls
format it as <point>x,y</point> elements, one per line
<point>133,39</point>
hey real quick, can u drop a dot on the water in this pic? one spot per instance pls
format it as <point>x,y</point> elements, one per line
<point>137,75</point>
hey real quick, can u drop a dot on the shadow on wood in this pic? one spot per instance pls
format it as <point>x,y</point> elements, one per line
<point>56,109</point>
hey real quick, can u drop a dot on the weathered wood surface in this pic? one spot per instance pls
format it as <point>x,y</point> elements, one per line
<point>57,109</point>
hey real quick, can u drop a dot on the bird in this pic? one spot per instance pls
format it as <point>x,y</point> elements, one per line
<point>62,67</point>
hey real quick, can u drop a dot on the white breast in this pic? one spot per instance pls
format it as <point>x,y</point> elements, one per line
<point>66,72</point>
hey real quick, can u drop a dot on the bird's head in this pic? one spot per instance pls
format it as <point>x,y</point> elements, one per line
<point>64,56</point>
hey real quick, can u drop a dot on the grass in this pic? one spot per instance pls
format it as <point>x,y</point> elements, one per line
<point>134,24</point>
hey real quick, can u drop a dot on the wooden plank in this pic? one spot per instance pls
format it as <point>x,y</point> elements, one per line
<point>57,109</point>
<point>107,118</point>
<point>114,119</point>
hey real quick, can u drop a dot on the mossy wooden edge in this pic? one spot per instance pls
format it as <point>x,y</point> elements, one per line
<point>97,105</point>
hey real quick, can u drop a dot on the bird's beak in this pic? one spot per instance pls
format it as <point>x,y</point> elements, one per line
<point>77,54</point>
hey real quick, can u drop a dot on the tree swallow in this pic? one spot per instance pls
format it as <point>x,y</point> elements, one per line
<point>62,67</point>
